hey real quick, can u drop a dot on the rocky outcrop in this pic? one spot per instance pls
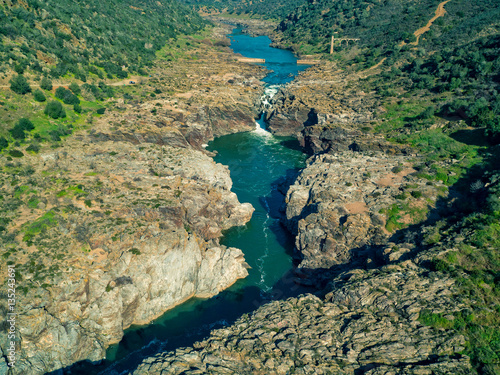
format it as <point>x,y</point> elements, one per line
<point>368,324</point>
<point>322,96</point>
<point>141,238</point>
<point>343,202</point>
<point>331,138</point>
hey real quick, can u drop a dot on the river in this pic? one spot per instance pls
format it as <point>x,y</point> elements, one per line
<point>257,162</point>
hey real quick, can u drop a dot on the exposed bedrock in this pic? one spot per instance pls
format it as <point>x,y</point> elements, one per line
<point>155,247</point>
<point>368,324</point>
<point>342,202</point>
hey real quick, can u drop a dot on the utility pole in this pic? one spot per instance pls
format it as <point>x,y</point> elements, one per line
<point>332,43</point>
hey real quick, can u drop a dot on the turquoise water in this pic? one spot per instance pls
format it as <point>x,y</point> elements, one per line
<point>282,64</point>
<point>256,160</point>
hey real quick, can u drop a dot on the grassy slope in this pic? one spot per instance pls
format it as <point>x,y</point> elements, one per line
<point>81,37</point>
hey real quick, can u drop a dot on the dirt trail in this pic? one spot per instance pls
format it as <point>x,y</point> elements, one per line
<point>440,11</point>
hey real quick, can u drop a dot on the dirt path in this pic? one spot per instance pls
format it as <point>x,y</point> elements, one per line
<point>440,11</point>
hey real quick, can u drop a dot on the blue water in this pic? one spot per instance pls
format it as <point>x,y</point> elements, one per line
<point>281,63</point>
<point>256,162</point>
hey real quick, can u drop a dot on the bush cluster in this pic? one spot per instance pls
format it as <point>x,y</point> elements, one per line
<point>55,110</point>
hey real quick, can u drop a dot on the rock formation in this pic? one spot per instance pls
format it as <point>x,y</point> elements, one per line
<point>367,324</point>
<point>343,202</point>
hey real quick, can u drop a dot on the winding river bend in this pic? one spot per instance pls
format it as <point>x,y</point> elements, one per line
<point>258,163</point>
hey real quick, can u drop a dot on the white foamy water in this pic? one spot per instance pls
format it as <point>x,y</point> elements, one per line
<point>261,131</point>
<point>262,260</point>
<point>269,93</point>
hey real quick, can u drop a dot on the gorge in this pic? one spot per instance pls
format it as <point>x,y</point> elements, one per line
<point>170,206</point>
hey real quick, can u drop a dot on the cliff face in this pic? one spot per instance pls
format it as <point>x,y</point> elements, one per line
<point>325,109</point>
<point>318,94</point>
<point>125,216</point>
<point>142,239</point>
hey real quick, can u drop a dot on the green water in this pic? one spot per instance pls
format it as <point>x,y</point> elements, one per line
<point>257,161</point>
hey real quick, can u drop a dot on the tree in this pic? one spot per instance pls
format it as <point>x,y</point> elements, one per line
<point>19,69</point>
<point>22,126</point>
<point>493,130</point>
<point>60,92</point>
<point>427,113</point>
<point>67,96</point>
<point>38,95</point>
<point>75,88</point>
<point>20,85</point>
<point>46,84</point>
<point>55,110</point>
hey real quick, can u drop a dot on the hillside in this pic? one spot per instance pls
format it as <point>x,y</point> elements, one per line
<point>82,38</point>
<point>266,9</point>
<point>111,211</point>
<point>386,24</point>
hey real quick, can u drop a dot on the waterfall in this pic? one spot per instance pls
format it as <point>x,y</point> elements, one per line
<point>265,105</point>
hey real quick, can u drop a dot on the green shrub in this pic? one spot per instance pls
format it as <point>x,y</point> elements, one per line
<point>22,126</point>
<point>46,84</point>
<point>61,131</point>
<point>20,85</point>
<point>397,169</point>
<point>416,194</point>
<point>435,320</point>
<point>40,225</point>
<point>88,203</point>
<point>33,147</point>
<point>100,111</point>
<point>39,97</point>
<point>135,251</point>
<point>439,265</point>
<point>3,143</point>
<point>77,108</point>
<point>55,110</point>
<point>492,130</point>
<point>67,96</point>
<point>19,69</point>
<point>75,88</point>
<point>427,113</point>
<point>33,202</point>
<point>16,153</point>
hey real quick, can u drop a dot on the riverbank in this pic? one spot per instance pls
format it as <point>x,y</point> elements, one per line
<point>121,220</point>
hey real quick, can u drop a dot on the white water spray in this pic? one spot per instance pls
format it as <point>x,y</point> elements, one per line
<point>269,93</point>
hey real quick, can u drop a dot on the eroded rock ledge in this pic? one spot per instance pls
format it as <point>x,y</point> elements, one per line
<point>368,324</point>
<point>145,240</point>
<point>343,202</point>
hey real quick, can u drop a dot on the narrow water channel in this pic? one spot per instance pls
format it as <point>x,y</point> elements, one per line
<point>257,161</point>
